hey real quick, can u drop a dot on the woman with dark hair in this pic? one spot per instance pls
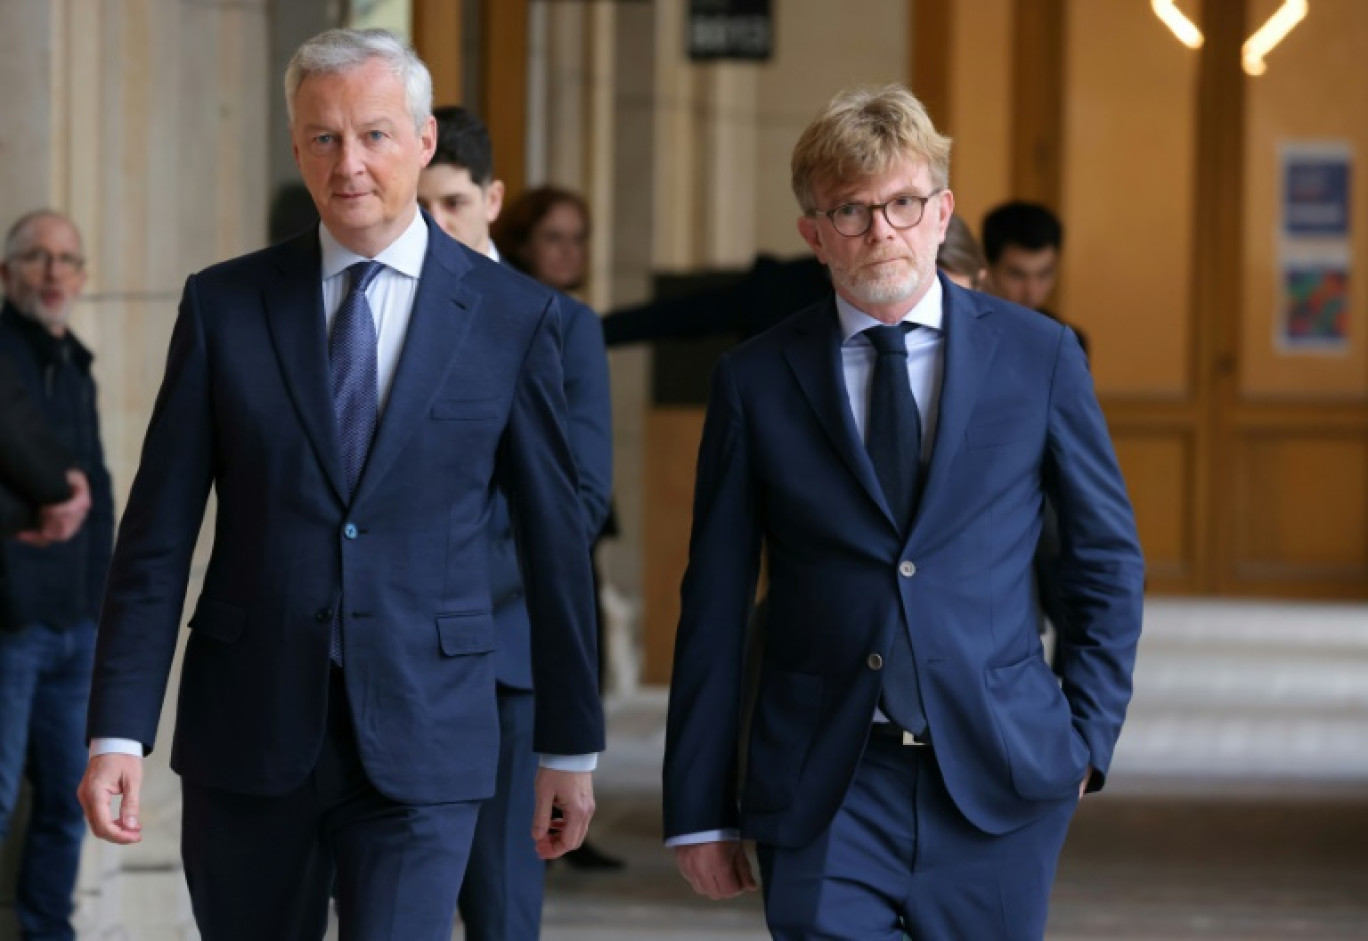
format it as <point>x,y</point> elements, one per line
<point>545,233</point>
<point>960,257</point>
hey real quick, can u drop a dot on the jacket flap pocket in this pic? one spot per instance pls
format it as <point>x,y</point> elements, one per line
<point>460,634</point>
<point>218,620</point>
<point>466,409</point>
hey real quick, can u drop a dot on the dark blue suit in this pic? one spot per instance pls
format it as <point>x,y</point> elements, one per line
<point>477,406</point>
<point>501,898</point>
<point>781,465</point>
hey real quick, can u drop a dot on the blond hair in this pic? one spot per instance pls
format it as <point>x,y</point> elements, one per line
<point>862,133</point>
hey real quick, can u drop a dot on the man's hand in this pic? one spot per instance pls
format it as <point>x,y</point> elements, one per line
<point>105,777</point>
<point>718,870</point>
<point>570,792</point>
<point>58,522</point>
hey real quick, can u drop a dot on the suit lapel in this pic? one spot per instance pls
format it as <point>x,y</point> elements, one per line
<point>969,344</point>
<point>814,355</point>
<point>294,311</point>
<point>443,310</point>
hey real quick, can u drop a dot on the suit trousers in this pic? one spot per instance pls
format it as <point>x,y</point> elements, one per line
<point>262,868</point>
<point>899,860</point>
<point>501,898</point>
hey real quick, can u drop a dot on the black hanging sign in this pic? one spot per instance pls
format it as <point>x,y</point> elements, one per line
<point>730,29</point>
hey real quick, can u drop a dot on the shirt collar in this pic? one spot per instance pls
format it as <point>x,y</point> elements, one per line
<point>928,312</point>
<point>493,252</point>
<point>404,255</point>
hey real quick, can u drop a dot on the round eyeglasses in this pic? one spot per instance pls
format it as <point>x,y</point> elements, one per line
<point>38,259</point>
<point>854,219</point>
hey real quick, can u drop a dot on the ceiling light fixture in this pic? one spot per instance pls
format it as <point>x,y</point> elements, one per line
<point>1274,30</point>
<point>1187,32</point>
<point>1265,38</point>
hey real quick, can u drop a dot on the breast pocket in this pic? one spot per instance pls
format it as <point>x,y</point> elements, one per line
<point>1000,432</point>
<point>466,410</point>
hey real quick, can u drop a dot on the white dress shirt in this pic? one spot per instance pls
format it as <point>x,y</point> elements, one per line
<point>390,297</point>
<point>925,367</point>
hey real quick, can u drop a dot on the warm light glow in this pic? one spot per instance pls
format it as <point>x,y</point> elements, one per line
<point>1187,32</point>
<point>1270,34</point>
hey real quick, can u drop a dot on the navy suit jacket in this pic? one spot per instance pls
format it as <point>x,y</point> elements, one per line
<point>589,409</point>
<point>477,404</point>
<point>781,465</point>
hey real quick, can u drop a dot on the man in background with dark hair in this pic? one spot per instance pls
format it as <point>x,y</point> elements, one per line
<point>501,898</point>
<point>1022,241</point>
<point>458,188</point>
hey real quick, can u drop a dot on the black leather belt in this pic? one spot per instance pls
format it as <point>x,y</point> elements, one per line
<point>897,735</point>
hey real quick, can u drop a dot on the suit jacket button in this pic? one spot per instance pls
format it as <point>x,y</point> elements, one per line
<point>349,530</point>
<point>875,662</point>
<point>907,569</point>
<point>323,614</point>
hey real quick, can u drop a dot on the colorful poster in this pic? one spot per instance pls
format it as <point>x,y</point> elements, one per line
<point>1315,305</point>
<point>1314,247</point>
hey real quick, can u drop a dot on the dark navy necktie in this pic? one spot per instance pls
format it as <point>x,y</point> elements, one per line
<point>893,438</point>
<point>353,365</point>
<point>352,360</point>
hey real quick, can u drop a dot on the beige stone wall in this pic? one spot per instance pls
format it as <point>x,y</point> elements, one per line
<point>146,121</point>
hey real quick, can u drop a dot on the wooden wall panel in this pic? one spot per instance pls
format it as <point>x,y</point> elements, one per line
<point>1158,466</point>
<point>1038,100</point>
<point>980,104</point>
<point>503,89</point>
<point>1303,521</point>
<point>672,437</point>
<point>437,40</point>
<point>1314,90</point>
<point>1128,153</point>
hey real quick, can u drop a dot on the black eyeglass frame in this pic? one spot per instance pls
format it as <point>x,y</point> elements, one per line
<point>880,207</point>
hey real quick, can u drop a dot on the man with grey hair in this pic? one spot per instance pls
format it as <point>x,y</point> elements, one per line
<point>355,409</point>
<point>50,590</point>
<point>913,764</point>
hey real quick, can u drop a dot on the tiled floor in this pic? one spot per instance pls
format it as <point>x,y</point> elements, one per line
<point>1237,808</point>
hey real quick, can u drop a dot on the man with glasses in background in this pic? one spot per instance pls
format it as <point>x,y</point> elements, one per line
<point>912,763</point>
<point>50,590</point>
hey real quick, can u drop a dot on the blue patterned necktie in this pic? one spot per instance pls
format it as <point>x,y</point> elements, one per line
<point>352,362</point>
<point>893,438</point>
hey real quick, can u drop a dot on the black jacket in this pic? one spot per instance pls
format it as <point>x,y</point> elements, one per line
<point>58,585</point>
<point>32,463</point>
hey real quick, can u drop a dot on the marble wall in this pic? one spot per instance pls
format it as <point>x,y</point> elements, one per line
<point>146,121</point>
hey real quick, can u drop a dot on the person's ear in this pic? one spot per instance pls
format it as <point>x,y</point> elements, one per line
<point>808,229</point>
<point>494,197</point>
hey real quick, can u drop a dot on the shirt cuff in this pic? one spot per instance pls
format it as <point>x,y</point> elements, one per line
<point>569,762</point>
<point>115,746</point>
<point>706,836</point>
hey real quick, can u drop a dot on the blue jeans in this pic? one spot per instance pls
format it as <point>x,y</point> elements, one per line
<point>44,688</point>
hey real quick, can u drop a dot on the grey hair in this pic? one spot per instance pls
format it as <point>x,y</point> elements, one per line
<point>341,50</point>
<point>16,239</point>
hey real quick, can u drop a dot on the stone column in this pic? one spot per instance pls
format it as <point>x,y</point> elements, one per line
<point>146,120</point>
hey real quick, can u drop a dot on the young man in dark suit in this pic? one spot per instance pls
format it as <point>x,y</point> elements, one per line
<point>501,898</point>
<point>913,764</point>
<point>356,397</point>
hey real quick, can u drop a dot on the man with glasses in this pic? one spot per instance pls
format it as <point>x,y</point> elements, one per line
<point>912,763</point>
<point>50,590</point>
